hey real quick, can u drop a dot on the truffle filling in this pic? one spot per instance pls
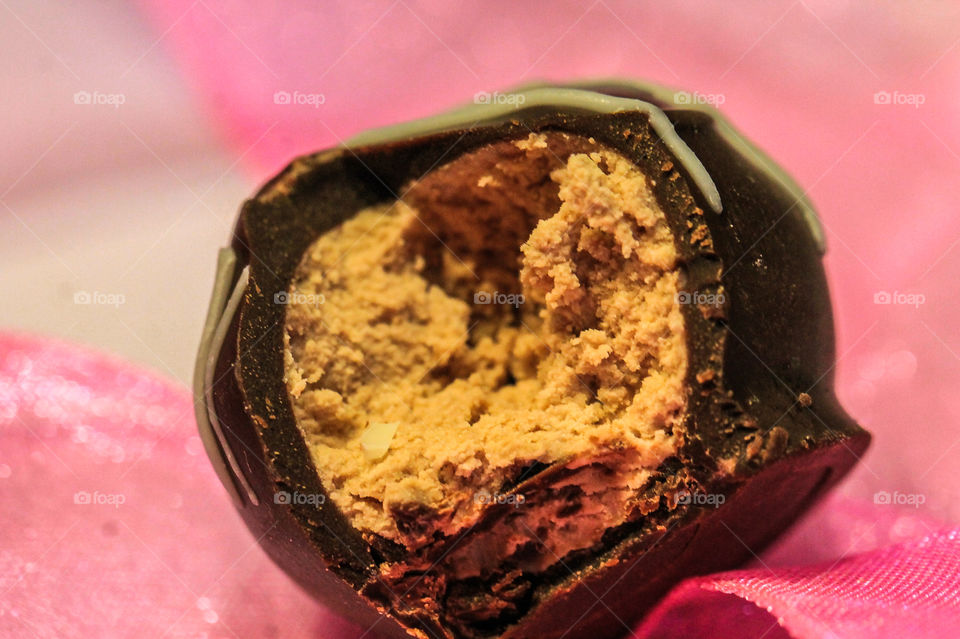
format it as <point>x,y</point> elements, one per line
<point>516,310</point>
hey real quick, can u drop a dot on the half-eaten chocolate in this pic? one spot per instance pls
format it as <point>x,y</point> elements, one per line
<point>518,378</point>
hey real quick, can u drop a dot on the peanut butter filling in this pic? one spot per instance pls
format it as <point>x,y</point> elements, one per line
<point>516,309</point>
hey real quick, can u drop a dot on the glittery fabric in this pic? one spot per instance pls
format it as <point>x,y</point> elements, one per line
<point>112,522</point>
<point>114,525</point>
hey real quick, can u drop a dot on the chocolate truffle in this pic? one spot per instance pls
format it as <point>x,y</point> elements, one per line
<point>517,369</point>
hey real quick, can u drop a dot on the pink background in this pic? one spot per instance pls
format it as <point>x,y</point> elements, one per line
<point>133,201</point>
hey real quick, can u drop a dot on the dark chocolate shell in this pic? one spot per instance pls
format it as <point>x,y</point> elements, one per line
<point>765,435</point>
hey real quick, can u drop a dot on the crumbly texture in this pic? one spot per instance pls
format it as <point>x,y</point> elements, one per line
<point>430,370</point>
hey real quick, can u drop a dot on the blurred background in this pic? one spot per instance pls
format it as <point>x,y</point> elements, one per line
<point>133,131</point>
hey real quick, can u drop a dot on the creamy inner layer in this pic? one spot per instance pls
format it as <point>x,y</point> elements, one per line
<point>430,370</point>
